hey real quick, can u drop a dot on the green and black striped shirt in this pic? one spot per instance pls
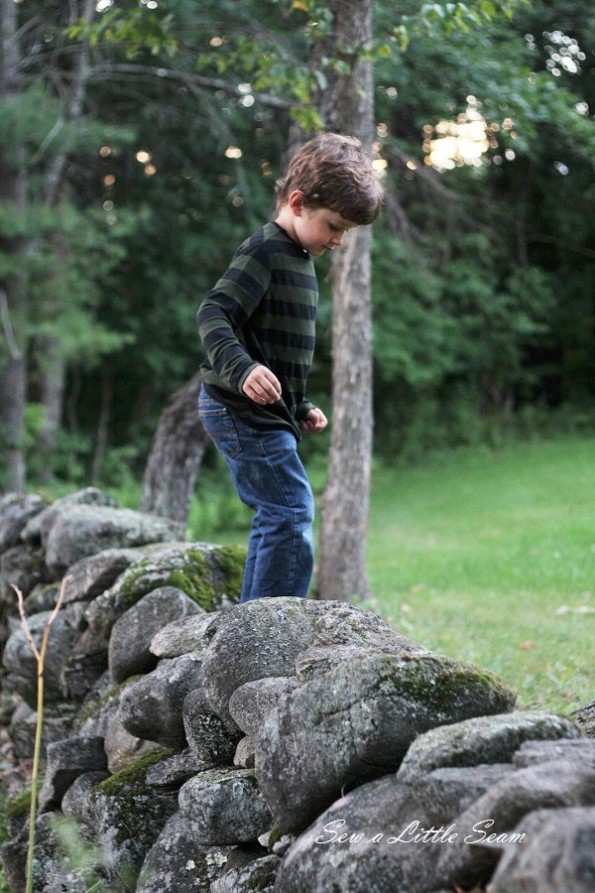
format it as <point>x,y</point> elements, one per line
<point>262,311</point>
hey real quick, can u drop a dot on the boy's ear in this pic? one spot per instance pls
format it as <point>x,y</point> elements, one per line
<point>295,201</point>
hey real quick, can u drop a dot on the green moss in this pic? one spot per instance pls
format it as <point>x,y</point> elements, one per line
<point>204,574</point>
<point>136,809</point>
<point>230,561</point>
<point>206,577</point>
<point>194,579</point>
<point>440,682</point>
<point>132,776</point>
<point>263,877</point>
<point>134,583</point>
<point>275,835</point>
<point>17,806</point>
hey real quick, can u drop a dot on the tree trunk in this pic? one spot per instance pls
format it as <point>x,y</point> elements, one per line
<point>13,288</point>
<point>342,564</point>
<point>52,376</point>
<point>105,413</point>
<point>178,447</point>
<point>347,106</point>
<point>55,188</point>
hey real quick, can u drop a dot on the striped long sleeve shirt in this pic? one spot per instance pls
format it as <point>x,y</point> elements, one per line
<point>262,311</point>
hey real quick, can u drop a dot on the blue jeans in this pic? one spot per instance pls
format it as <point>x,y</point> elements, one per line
<point>269,477</point>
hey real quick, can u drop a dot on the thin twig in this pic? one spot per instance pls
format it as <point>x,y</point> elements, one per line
<point>40,655</point>
<point>25,623</point>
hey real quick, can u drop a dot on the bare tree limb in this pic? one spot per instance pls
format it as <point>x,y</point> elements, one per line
<point>105,71</point>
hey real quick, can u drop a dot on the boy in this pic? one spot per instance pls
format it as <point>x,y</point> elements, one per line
<point>258,329</point>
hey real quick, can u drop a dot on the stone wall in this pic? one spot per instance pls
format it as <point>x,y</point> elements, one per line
<point>193,744</point>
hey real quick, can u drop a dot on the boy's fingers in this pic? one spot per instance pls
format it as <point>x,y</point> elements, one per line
<point>262,385</point>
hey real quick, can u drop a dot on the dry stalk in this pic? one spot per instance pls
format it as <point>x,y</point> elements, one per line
<point>40,654</point>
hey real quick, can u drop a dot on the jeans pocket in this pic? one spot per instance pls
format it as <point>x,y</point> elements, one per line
<point>219,424</point>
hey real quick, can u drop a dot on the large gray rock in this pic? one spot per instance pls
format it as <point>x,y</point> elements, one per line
<point>81,671</point>
<point>207,574</point>
<point>375,840</point>
<point>176,862</point>
<point>152,707</point>
<point>184,635</point>
<point>127,816</point>
<point>173,771</point>
<point>208,737</point>
<point>489,824</point>
<point>390,837</point>
<point>484,739</point>
<point>122,748</point>
<point>258,875</point>
<point>91,576</point>
<point>556,852</point>
<point>24,568</point>
<point>58,718</point>
<point>100,715</point>
<point>37,529</point>
<point>77,800</point>
<point>532,752</point>
<point>100,706</point>
<point>16,510</point>
<point>224,806</point>
<point>265,637</point>
<point>585,719</point>
<point>251,703</point>
<point>21,663</point>
<point>66,760</point>
<point>129,646</point>
<point>245,753</point>
<point>85,530</point>
<point>322,658</point>
<point>445,792</point>
<point>356,723</point>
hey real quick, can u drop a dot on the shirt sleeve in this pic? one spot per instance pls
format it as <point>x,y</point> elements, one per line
<point>303,409</point>
<point>225,313</point>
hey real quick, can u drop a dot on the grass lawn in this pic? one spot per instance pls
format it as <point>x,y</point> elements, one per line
<point>489,557</point>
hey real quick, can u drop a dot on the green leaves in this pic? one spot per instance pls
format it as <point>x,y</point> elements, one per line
<point>439,20</point>
<point>465,16</point>
<point>136,29</point>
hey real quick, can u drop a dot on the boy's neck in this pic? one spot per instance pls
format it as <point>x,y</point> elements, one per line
<point>285,219</point>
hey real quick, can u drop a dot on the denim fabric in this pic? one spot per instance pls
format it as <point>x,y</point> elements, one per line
<point>269,477</point>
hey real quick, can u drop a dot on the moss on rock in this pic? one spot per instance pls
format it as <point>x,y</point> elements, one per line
<point>206,573</point>
<point>17,805</point>
<point>133,776</point>
<point>133,811</point>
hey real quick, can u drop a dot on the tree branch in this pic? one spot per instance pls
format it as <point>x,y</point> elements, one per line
<point>105,71</point>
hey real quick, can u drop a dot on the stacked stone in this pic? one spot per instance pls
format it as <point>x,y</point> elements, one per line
<point>281,745</point>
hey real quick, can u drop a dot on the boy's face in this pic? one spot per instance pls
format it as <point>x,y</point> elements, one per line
<point>320,229</point>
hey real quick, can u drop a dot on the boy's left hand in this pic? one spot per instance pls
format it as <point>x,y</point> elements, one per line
<point>314,422</point>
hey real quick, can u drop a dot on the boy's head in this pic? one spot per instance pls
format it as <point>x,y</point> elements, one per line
<point>333,171</point>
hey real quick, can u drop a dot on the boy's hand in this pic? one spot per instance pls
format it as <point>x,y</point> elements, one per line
<point>314,422</point>
<point>262,386</point>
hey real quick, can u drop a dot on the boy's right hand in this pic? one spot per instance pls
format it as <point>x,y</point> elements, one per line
<point>262,386</point>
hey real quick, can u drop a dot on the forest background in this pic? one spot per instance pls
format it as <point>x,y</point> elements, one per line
<point>140,142</point>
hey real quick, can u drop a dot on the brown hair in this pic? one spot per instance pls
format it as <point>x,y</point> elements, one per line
<point>333,171</point>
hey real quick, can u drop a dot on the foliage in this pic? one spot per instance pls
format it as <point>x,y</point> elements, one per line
<point>440,20</point>
<point>483,272</point>
<point>138,29</point>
